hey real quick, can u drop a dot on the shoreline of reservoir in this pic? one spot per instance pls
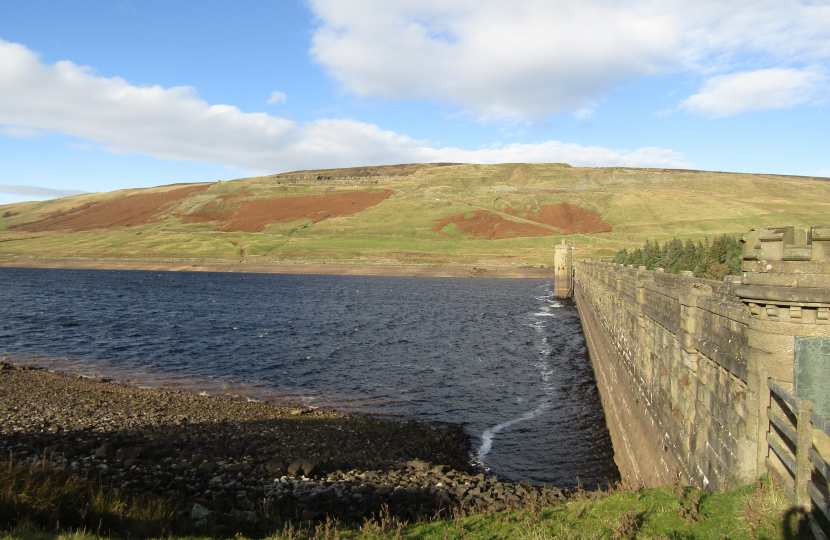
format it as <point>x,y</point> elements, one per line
<point>366,268</point>
<point>229,457</point>
<point>487,352</point>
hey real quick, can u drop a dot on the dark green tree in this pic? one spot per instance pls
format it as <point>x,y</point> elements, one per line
<point>652,255</point>
<point>713,260</point>
<point>689,257</point>
<point>636,257</point>
<point>673,256</point>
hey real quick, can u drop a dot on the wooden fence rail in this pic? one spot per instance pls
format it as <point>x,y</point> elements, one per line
<point>789,432</point>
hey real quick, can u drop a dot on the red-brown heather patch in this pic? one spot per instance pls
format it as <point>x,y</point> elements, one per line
<point>566,217</point>
<point>253,216</point>
<point>136,209</point>
<point>570,218</point>
<point>486,224</point>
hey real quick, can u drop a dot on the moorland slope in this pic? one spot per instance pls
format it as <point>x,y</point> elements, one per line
<point>421,214</point>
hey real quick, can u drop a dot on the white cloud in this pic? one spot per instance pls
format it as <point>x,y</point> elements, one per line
<point>6,198</point>
<point>528,58</point>
<point>19,132</point>
<point>80,146</point>
<point>34,191</point>
<point>726,95</point>
<point>555,151</point>
<point>174,123</point>
<point>584,113</point>
<point>277,97</point>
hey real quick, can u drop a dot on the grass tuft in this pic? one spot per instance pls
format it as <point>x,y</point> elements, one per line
<point>35,498</point>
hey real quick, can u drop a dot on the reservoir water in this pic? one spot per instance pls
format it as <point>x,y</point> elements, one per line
<point>501,356</point>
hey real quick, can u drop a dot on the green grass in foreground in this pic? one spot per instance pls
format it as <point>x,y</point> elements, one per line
<point>37,504</point>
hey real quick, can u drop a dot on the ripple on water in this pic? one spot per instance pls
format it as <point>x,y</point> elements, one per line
<point>501,356</point>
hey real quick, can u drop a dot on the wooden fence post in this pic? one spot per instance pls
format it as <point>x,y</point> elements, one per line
<point>763,421</point>
<point>803,465</point>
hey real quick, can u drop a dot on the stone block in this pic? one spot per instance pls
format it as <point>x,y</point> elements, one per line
<point>773,240</point>
<point>720,412</point>
<point>702,425</point>
<point>813,281</point>
<point>739,406</point>
<point>673,389</point>
<point>732,420</point>
<point>712,381</point>
<point>746,470</point>
<point>726,456</point>
<point>713,461</point>
<point>664,414</point>
<point>769,342</point>
<point>797,253</point>
<point>787,267</point>
<point>751,426</point>
<point>740,393</point>
<point>779,366</point>
<point>769,279</point>
<point>741,430</point>
<point>704,396</point>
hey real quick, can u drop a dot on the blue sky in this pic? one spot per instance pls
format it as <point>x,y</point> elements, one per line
<point>101,95</point>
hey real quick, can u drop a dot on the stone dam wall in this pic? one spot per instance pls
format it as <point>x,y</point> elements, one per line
<point>679,360</point>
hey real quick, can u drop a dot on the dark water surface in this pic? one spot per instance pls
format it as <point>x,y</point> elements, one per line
<point>501,356</point>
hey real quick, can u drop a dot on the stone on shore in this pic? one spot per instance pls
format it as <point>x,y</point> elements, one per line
<point>199,512</point>
<point>225,459</point>
<point>275,466</point>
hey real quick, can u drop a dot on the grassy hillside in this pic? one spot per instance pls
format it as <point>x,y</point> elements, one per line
<point>431,213</point>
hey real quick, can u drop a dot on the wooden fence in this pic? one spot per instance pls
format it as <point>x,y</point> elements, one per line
<point>797,448</point>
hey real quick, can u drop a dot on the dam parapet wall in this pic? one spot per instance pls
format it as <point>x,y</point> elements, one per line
<point>680,361</point>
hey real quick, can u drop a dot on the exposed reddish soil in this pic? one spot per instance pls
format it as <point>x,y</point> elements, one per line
<point>135,209</point>
<point>566,217</point>
<point>253,216</point>
<point>486,224</point>
<point>570,218</point>
<point>234,214</point>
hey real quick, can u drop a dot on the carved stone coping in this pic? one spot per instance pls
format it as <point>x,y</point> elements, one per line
<point>787,243</point>
<point>784,295</point>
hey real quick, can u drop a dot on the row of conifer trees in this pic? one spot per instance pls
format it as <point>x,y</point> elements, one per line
<point>715,260</point>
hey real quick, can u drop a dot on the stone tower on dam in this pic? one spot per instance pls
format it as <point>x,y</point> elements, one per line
<point>563,271</point>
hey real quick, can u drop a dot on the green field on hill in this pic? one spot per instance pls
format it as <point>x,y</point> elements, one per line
<point>443,214</point>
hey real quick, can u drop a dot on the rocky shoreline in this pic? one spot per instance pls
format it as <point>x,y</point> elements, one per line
<point>230,461</point>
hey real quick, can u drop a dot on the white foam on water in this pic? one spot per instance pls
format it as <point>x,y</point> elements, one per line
<point>489,434</point>
<point>545,374</point>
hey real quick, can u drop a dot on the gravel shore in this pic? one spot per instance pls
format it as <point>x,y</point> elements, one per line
<point>238,460</point>
<point>492,270</point>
